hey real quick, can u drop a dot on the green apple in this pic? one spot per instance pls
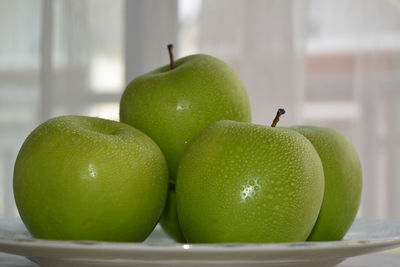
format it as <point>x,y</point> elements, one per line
<point>169,219</point>
<point>173,103</point>
<point>343,182</point>
<point>242,182</point>
<point>83,178</point>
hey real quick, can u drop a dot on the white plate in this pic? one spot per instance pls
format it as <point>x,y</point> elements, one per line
<point>365,236</point>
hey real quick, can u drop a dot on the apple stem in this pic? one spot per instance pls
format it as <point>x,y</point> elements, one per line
<point>280,112</point>
<point>171,56</point>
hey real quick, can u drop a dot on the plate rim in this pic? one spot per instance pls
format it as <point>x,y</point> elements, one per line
<point>133,249</point>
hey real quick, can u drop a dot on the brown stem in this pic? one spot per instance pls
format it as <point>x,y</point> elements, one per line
<point>280,112</point>
<point>171,56</point>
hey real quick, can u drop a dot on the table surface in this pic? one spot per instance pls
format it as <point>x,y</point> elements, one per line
<point>383,259</point>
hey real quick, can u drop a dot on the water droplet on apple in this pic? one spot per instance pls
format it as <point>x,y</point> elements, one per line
<point>92,170</point>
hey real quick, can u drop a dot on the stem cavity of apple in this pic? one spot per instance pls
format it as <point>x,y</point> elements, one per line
<point>171,56</point>
<point>280,112</point>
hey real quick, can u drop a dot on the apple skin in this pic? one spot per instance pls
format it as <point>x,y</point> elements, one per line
<point>169,219</point>
<point>343,182</point>
<point>172,106</point>
<point>83,178</point>
<point>242,182</point>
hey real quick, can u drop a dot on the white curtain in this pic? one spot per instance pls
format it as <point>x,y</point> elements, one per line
<point>328,63</point>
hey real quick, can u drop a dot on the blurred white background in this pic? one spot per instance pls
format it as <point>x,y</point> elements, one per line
<point>329,63</point>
